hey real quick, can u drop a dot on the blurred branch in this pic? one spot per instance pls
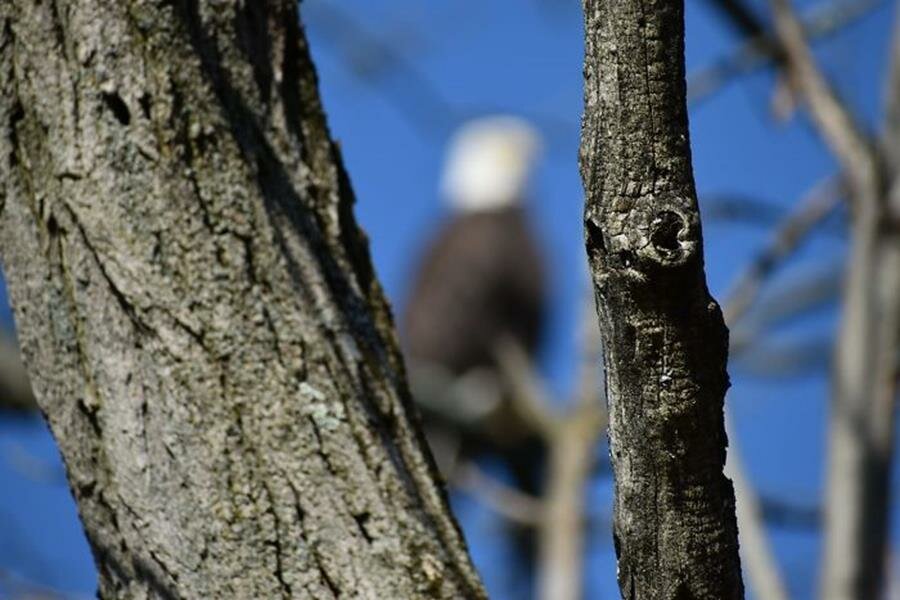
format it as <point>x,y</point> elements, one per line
<point>760,48</point>
<point>803,293</point>
<point>742,209</point>
<point>570,465</point>
<point>813,209</point>
<point>572,439</point>
<point>787,358</point>
<point>590,392</point>
<point>562,530</point>
<point>505,500</point>
<point>864,387</point>
<point>14,587</point>
<point>742,18</point>
<point>32,467</point>
<point>852,148</point>
<point>528,398</point>
<point>779,513</point>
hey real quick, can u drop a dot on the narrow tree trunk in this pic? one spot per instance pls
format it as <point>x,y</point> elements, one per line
<point>198,310</point>
<point>665,343</point>
<point>861,433</point>
<point>864,383</point>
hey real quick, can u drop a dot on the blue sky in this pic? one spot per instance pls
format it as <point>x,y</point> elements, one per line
<point>470,57</point>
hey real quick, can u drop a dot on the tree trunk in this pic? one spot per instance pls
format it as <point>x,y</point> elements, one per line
<point>665,343</point>
<point>865,378</point>
<point>861,428</point>
<point>199,314</point>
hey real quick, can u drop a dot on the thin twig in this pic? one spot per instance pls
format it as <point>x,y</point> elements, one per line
<point>817,205</point>
<point>528,397</point>
<point>561,532</point>
<point>514,505</point>
<point>571,439</point>
<point>572,453</point>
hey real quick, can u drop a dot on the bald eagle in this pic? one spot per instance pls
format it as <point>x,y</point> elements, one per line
<point>480,281</point>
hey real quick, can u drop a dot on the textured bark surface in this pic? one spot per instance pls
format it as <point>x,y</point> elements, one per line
<point>198,311</point>
<point>665,342</point>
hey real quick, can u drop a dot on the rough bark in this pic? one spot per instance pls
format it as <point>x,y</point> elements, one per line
<point>198,310</point>
<point>665,343</point>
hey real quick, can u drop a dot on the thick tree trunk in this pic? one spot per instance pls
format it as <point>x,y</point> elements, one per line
<point>665,343</point>
<point>199,314</point>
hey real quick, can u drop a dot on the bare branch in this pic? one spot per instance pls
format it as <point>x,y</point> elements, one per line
<point>572,439</point>
<point>528,396</point>
<point>836,124</point>
<point>761,47</point>
<point>514,505</point>
<point>570,466</point>
<point>590,393</point>
<point>562,529</point>
<point>371,59</point>
<point>755,549</point>
<point>813,209</point>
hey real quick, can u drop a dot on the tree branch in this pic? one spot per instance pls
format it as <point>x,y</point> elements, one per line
<point>813,209</point>
<point>863,411</point>
<point>512,504</point>
<point>760,47</point>
<point>528,397</point>
<point>851,146</point>
<point>665,343</point>
<point>755,549</point>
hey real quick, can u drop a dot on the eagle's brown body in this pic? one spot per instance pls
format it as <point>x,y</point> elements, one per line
<point>482,279</point>
<point>480,282</point>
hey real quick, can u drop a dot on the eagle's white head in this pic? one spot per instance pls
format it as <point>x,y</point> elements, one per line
<point>489,163</point>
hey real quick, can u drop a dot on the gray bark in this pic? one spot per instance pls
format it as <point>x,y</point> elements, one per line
<point>199,314</point>
<point>665,343</point>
